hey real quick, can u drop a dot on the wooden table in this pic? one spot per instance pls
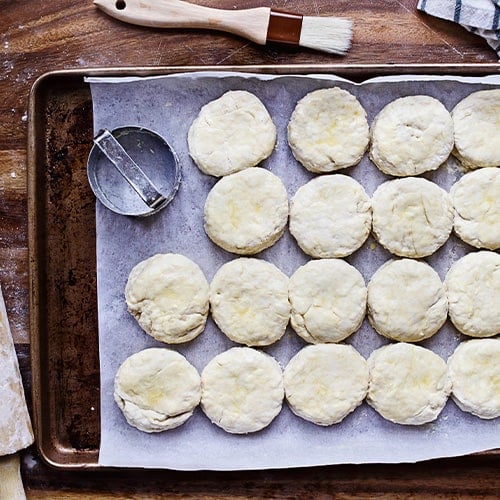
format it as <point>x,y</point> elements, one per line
<point>50,35</point>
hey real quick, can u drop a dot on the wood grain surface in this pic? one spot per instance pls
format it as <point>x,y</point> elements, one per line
<point>43,36</point>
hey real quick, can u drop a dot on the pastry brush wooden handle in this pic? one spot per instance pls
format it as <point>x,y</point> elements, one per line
<point>11,483</point>
<point>249,23</point>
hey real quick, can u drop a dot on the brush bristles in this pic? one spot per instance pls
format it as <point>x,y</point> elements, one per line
<point>328,34</point>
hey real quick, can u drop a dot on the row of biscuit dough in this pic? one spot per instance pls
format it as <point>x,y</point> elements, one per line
<point>413,217</point>
<point>411,135</point>
<point>247,211</point>
<point>242,389</point>
<point>410,384</point>
<point>252,301</point>
<point>328,131</point>
<point>405,299</point>
<point>332,215</point>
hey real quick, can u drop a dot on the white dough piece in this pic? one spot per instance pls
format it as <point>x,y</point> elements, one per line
<point>476,198</point>
<point>473,288</point>
<point>409,384</point>
<point>231,133</point>
<point>411,135</point>
<point>477,129</point>
<point>406,300</point>
<point>330,216</point>
<point>242,390</point>
<point>168,295</point>
<point>474,369</point>
<point>326,382</point>
<point>328,299</point>
<point>328,130</point>
<point>412,217</point>
<point>157,389</point>
<point>249,301</point>
<point>246,212</point>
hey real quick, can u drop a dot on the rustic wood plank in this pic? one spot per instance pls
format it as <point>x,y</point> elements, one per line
<point>73,34</point>
<point>443,479</point>
<point>75,495</point>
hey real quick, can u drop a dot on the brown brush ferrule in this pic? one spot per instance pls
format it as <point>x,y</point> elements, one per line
<point>284,28</point>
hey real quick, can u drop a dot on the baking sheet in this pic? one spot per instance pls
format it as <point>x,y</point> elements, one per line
<point>168,105</point>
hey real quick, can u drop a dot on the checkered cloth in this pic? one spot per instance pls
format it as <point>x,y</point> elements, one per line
<point>478,16</point>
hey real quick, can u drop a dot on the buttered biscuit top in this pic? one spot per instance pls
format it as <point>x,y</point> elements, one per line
<point>246,212</point>
<point>231,133</point>
<point>328,130</point>
<point>168,295</point>
<point>477,129</point>
<point>411,135</point>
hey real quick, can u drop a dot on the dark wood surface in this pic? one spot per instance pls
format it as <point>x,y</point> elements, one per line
<point>43,36</point>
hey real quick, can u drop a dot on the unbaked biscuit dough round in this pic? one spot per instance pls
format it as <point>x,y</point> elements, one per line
<point>476,198</point>
<point>409,384</point>
<point>231,133</point>
<point>412,217</point>
<point>246,212</point>
<point>411,135</point>
<point>328,299</point>
<point>477,129</point>
<point>330,216</point>
<point>157,389</point>
<point>249,301</point>
<point>406,301</point>
<point>328,130</point>
<point>168,295</point>
<point>325,382</point>
<point>242,390</point>
<point>474,370</point>
<point>473,288</point>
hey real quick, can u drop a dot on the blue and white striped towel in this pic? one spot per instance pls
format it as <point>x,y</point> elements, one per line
<point>478,16</point>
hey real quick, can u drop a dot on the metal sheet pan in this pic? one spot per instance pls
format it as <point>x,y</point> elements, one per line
<point>62,267</point>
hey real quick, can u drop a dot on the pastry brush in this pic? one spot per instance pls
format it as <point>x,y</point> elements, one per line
<point>260,24</point>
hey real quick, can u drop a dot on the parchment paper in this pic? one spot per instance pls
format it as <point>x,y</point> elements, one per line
<point>168,106</point>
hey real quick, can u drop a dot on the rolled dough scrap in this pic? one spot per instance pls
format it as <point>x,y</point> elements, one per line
<point>168,295</point>
<point>15,424</point>
<point>246,212</point>
<point>473,288</point>
<point>474,369</point>
<point>406,300</point>
<point>249,301</point>
<point>242,390</point>
<point>411,135</point>
<point>325,382</point>
<point>330,216</point>
<point>476,198</point>
<point>328,130</point>
<point>231,133</point>
<point>409,384</point>
<point>328,299</point>
<point>412,217</point>
<point>477,129</point>
<point>157,389</point>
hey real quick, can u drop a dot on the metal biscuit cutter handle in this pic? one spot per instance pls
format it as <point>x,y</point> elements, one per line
<point>142,193</point>
<point>131,172</point>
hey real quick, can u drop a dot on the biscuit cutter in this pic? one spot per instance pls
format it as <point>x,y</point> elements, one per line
<point>133,171</point>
